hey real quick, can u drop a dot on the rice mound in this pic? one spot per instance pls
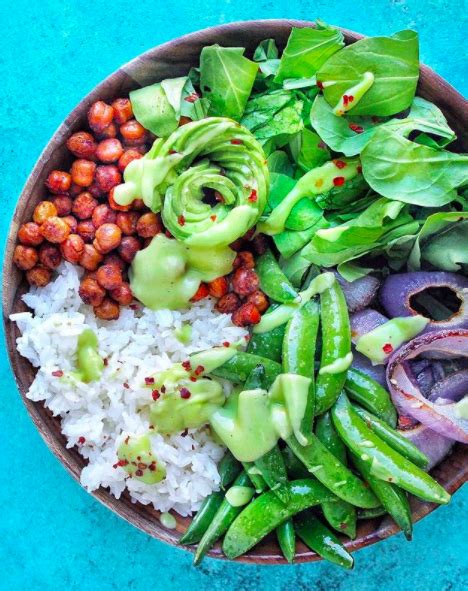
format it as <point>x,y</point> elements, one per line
<point>104,412</point>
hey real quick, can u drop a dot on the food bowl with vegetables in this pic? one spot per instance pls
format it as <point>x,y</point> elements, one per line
<point>235,286</point>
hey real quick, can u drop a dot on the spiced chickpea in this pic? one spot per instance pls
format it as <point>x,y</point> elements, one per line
<point>116,206</point>
<point>100,115</point>
<point>95,190</point>
<point>63,204</point>
<point>244,259</point>
<point>107,310</point>
<point>50,256</point>
<point>245,281</point>
<point>127,157</point>
<point>55,230</point>
<point>228,303</point>
<point>109,150</point>
<point>86,230</point>
<point>201,293</point>
<point>103,214</point>
<point>259,300</point>
<point>109,276</point>
<point>128,248</point>
<point>184,120</point>
<point>91,292</point>
<point>133,133</point>
<point>108,237</point>
<point>72,248</point>
<point>245,315</point>
<point>122,294</point>
<point>82,172</point>
<point>29,234</point>
<point>43,211</point>
<point>107,177</point>
<point>260,244</point>
<point>72,222</point>
<point>218,287</point>
<point>148,225</point>
<point>39,276</point>
<point>122,110</point>
<point>127,222</point>
<point>114,259</point>
<point>90,258</point>
<point>75,190</point>
<point>139,205</point>
<point>58,181</point>
<point>25,257</point>
<point>82,145</point>
<point>108,132</point>
<point>84,206</point>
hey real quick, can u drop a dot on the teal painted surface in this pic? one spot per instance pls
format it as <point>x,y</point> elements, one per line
<point>52,534</point>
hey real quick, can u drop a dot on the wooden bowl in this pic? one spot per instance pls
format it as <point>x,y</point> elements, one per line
<point>167,61</point>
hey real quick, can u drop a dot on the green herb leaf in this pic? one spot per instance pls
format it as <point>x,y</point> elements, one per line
<point>307,150</point>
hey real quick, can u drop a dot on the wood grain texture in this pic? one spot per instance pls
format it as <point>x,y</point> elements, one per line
<point>170,60</point>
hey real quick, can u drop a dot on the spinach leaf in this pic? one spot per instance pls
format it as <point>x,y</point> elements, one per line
<point>278,161</point>
<point>267,56</point>
<point>343,197</point>
<point>413,173</point>
<point>394,62</point>
<point>307,150</point>
<point>226,79</point>
<point>307,49</point>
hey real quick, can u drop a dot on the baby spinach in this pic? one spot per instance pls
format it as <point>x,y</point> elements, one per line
<point>278,161</point>
<point>413,173</point>
<point>307,150</point>
<point>226,79</point>
<point>394,62</point>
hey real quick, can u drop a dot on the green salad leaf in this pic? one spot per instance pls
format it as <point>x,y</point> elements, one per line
<point>413,173</point>
<point>226,79</point>
<point>394,63</point>
<point>307,49</point>
<point>278,161</point>
<point>308,150</point>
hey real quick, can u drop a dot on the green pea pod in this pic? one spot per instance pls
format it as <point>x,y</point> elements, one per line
<point>299,354</point>
<point>272,468</point>
<point>294,467</point>
<point>371,395</point>
<point>393,499</point>
<point>287,540</point>
<point>340,515</point>
<point>220,523</point>
<point>384,462</point>
<point>268,344</point>
<point>399,443</point>
<point>255,477</point>
<point>238,368</point>
<point>273,281</point>
<point>202,519</point>
<point>267,512</point>
<point>333,473</point>
<point>229,468</point>
<point>336,347</point>
<point>256,378</point>
<point>321,540</point>
<point>371,513</point>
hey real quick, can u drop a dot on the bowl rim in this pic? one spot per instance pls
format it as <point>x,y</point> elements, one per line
<point>123,507</point>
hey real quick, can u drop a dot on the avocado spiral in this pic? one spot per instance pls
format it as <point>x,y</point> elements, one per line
<point>213,153</point>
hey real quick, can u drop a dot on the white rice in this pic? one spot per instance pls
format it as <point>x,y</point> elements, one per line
<point>136,345</point>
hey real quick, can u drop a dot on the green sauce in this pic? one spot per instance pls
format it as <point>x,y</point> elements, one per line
<point>168,520</point>
<point>461,408</point>
<point>137,459</point>
<point>184,334</point>
<point>338,366</point>
<point>89,363</point>
<point>237,496</point>
<point>356,92</point>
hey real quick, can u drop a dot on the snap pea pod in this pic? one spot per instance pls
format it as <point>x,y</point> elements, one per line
<point>321,540</point>
<point>340,515</point>
<point>238,368</point>
<point>220,523</point>
<point>399,443</point>
<point>255,477</point>
<point>384,462</point>
<point>371,513</point>
<point>336,347</point>
<point>229,468</point>
<point>287,539</point>
<point>368,393</point>
<point>202,519</point>
<point>333,473</point>
<point>267,512</point>
<point>273,281</point>
<point>393,499</point>
<point>294,467</point>
<point>299,354</point>
<point>268,344</point>
<point>272,469</point>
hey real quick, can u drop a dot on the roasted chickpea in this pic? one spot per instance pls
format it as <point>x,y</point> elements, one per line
<point>103,214</point>
<point>72,222</point>
<point>128,248</point>
<point>82,172</point>
<point>50,256</point>
<point>25,257</point>
<point>109,150</point>
<point>114,259</point>
<point>84,205</point>
<point>108,132</point>
<point>260,244</point>
<point>58,181</point>
<point>139,205</point>
<point>122,294</point>
<point>184,120</point>
<point>108,237</point>
<point>148,225</point>
<point>245,281</point>
<point>86,230</point>
<point>63,204</point>
<point>133,133</point>
<point>244,259</point>
<point>100,115</point>
<point>55,230</point>
<point>90,258</point>
<point>218,287</point>
<point>39,276</point>
<point>116,206</point>
<point>75,190</point>
<point>108,310</point>
<point>29,234</point>
<point>201,293</point>
<point>122,110</point>
<point>127,222</point>
<point>228,303</point>
<point>82,145</point>
<point>109,276</point>
<point>127,157</point>
<point>95,190</point>
<point>91,292</point>
<point>259,300</point>
<point>245,315</point>
<point>43,211</point>
<point>72,248</point>
<point>107,177</point>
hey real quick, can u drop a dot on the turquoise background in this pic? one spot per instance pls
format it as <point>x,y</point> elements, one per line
<point>52,534</point>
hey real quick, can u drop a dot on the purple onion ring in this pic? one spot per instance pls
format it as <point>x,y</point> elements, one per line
<point>364,321</point>
<point>431,443</point>
<point>359,293</point>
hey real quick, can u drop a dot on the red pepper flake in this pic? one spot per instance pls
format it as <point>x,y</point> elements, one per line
<point>127,439</point>
<point>338,181</point>
<point>236,142</point>
<point>163,389</point>
<point>122,463</point>
<point>359,169</point>
<point>187,365</point>
<point>193,379</point>
<point>125,385</point>
<point>58,373</point>
<point>134,307</point>
<point>342,525</point>
<point>152,467</point>
<point>356,128</point>
<point>155,394</point>
<point>106,361</point>
<point>345,100</point>
<point>253,196</point>
<point>185,393</point>
<point>149,381</point>
<point>199,370</point>
<point>139,472</point>
<point>247,337</point>
<point>181,220</point>
<point>226,344</point>
<point>213,218</point>
<point>191,98</point>
<point>172,152</point>
<point>322,145</point>
<point>339,164</point>
<point>81,440</point>
<point>319,84</point>
<point>387,348</point>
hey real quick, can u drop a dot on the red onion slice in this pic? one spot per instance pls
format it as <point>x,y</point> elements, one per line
<point>432,444</point>
<point>454,387</point>
<point>376,372</point>
<point>364,321</point>
<point>359,293</point>
<point>405,391</point>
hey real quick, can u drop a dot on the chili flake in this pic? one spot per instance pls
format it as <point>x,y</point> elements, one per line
<point>387,348</point>
<point>356,128</point>
<point>149,381</point>
<point>181,220</point>
<point>186,365</point>
<point>81,440</point>
<point>191,98</point>
<point>226,344</point>
<point>185,393</point>
<point>155,394</point>
<point>139,472</point>
<point>236,142</point>
<point>163,389</point>
<point>339,164</point>
<point>193,379</point>
<point>125,385</point>
<point>338,181</point>
<point>253,196</point>
<point>58,373</point>
<point>319,84</point>
<point>199,370</point>
<point>213,218</point>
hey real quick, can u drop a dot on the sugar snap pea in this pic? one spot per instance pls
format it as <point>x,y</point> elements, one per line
<point>273,281</point>
<point>228,468</point>
<point>384,462</point>
<point>202,519</point>
<point>268,344</point>
<point>370,394</point>
<point>272,468</point>
<point>287,539</point>
<point>266,512</point>
<point>294,467</point>
<point>255,477</point>
<point>371,513</point>
<point>238,368</point>
<point>321,540</point>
